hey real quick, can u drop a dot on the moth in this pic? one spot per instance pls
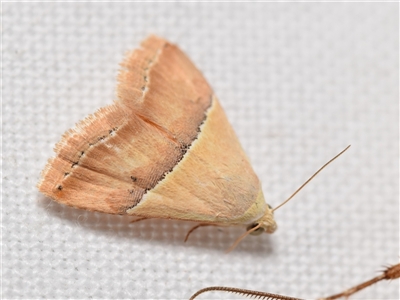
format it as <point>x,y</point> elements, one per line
<point>163,149</point>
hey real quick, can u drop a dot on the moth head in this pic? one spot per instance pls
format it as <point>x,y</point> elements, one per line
<point>265,224</point>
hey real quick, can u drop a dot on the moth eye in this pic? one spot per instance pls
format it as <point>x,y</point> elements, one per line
<point>270,207</point>
<point>258,231</point>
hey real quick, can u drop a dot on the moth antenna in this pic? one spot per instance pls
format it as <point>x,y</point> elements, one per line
<point>311,178</point>
<point>242,237</point>
<point>243,292</point>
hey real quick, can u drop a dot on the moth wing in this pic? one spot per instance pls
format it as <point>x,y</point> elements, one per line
<point>111,158</point>
<point>213,183</point>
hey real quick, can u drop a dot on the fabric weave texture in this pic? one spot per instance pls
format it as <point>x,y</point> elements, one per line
<point>298,81</point>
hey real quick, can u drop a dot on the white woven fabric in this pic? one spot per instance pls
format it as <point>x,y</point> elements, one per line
<point>299,82</point>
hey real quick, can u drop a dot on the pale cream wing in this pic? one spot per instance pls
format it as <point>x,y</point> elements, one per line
<point>213,183</point>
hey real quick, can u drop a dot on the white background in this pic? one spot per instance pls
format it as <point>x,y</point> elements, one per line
<point>299,82</point>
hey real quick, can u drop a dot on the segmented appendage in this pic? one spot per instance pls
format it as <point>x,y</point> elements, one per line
<point>389,273</point>
<point>392,272</point>
<point>247,293</point>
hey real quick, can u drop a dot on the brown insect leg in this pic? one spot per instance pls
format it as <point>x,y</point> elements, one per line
<point>249,293</point>
<point>195,227</point>
<point>139,219</point>
<point>390,273</point>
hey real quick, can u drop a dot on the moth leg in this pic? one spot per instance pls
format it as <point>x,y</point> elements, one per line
<point>139,219</point>
<point>195,227</point>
